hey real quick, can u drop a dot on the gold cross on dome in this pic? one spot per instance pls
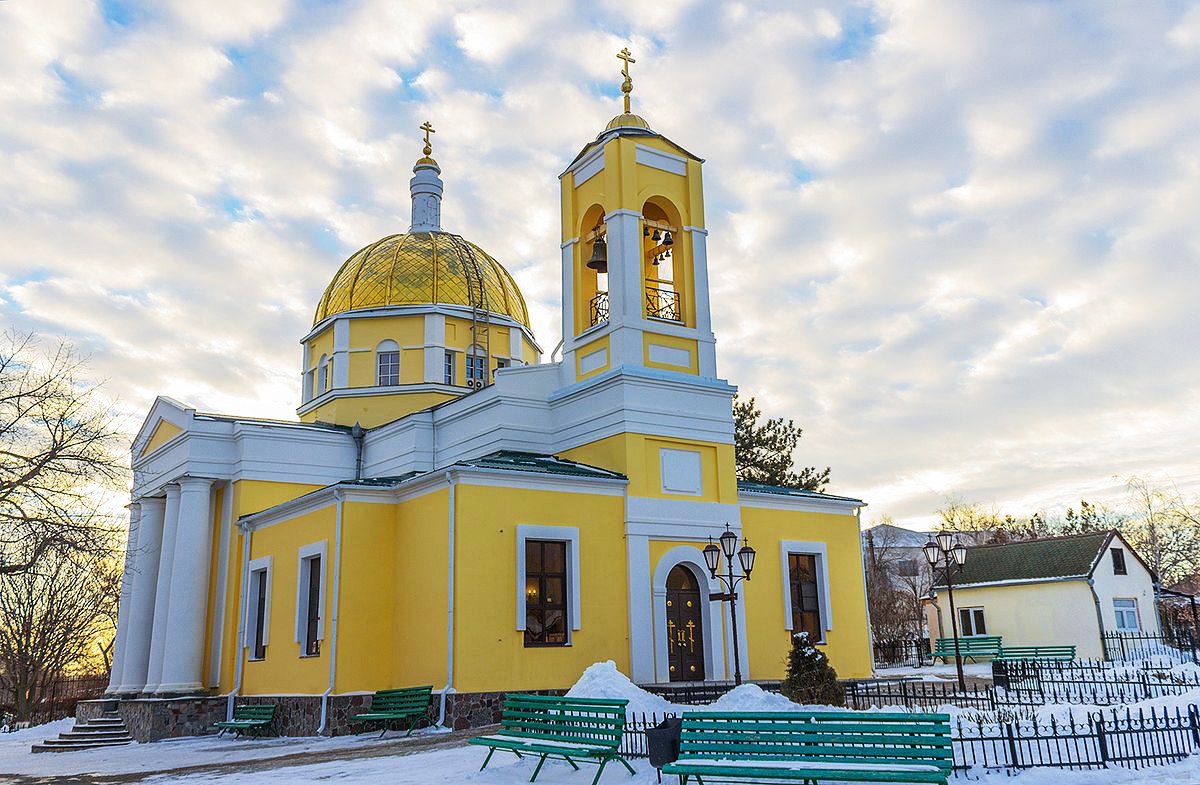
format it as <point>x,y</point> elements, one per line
<point>428,129</point>
<point>627,85</point>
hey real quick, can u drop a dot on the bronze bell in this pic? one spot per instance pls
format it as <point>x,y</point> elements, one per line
<point>667,239</point>
<point>599,260</point>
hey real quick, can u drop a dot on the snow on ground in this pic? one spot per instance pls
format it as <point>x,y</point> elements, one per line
<point>982,670</point>
<point>604,680</point>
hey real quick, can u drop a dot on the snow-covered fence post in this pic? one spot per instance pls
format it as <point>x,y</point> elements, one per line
<point>1097,721</point>
<point>1013,756</point>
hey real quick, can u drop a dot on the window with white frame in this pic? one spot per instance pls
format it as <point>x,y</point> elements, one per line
<point>387,364</point>
<point>310,598</point>
<point>548,603</point>
<point>322,374</point>
<point>258,608</point>
<point>476,370</point>
<point>500,363</point>
<point>804,567</point>
<point>449,368</point>
<point>970,622</point>
<point>1126,611</point>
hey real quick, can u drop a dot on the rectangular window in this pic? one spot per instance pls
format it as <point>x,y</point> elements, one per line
<point>449,367</point>
<point>389,369</point>
<point>1126,611</point>
<point>806,595</point>
<point>970,622</point>
<point>476,369</point>
<point>545,593</point>
<point>312,619</point>
<point>259,595</point>
<point>500,363</point>
<point>1118,560</point>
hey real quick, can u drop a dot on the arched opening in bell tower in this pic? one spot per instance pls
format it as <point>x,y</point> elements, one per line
<point>664,262</point>
<point>592,275</point>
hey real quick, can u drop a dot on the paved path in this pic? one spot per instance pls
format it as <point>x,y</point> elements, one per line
<point>400,746</point>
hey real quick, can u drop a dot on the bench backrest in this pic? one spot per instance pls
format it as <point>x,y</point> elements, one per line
<point>976,643</point>
<point>858,737</point>
<point>254,711</point>
<point>588,720</point>
<point>404,700</point>
<point>1037,651</point>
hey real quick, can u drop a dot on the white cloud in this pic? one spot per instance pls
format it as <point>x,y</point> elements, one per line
<point>959,248</point>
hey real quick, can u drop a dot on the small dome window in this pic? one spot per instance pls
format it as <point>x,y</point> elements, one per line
<point>387,364</point>
<point>322,374</point>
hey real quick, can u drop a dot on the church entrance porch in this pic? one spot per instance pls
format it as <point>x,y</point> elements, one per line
<point>685,633</point>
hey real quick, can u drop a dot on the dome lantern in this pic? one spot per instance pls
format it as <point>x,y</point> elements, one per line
<point>426,189</point>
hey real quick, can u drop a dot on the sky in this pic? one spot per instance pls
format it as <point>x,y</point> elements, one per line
<point>957,242</point>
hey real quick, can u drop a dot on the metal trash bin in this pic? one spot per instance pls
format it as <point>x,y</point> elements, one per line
<point>662,743</point>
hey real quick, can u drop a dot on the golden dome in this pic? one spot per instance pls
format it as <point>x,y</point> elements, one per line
<point>627,120</point>
<point>417,268</point>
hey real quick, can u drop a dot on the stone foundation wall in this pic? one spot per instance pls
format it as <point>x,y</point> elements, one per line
<point>153,719</point>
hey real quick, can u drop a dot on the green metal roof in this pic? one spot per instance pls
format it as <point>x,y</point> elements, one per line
<point>779,490</point>
<point>513,460</point>
<point>1052,558</point>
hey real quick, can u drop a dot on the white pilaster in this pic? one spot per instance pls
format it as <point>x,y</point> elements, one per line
<point>117,671</point>
<point>625,287</point>
<point>162,590</point>
<point>641,613</point>
<point>183,657</point>
<point>434,351</point>
<point>341,354</point>
<point>139,622</point>
<point>568,297</point>
<point>707,348</point>
<point>515,349</point>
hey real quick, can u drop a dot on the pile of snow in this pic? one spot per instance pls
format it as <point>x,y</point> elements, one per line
<point>603,680</point>
<point>751,697</point>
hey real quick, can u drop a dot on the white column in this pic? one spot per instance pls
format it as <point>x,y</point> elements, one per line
<point>140,619</point>
<point>641,612</point>
<point>625,287</point>
<point>162,590</point>
<point>117,671</point>
<point>434,349</point>
<point>183,658</point>
<point>707,347</point>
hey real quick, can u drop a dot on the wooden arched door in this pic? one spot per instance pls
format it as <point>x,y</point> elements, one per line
<point>685,633</point>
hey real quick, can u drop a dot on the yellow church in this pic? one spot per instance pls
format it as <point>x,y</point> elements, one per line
<point>450,509</point>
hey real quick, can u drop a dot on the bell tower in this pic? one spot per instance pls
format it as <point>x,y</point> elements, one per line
<point>634,264</point>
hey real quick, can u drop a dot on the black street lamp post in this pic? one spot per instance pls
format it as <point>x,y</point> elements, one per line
<point>712,557</point>
<point>949,550</point>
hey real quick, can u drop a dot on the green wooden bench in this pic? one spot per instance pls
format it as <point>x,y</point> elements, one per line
<point>251,718</point>
<point>405,705</point>
<point>1036,653</point>
<point>973,647</point>
<point>577,730</point>
<point>812,746</point>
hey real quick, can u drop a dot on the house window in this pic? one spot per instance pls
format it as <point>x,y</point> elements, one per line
<point>259,585</point>
<point>1118,560</point>
<point>545,593</point>
<point>908,568</point>
<point>312,621</point>
<point>476,370</point>
<point>1126,611</point>
<point>449,368</point>
<point>387,364</point>
<point>970,622</point>
<point>805,594</point>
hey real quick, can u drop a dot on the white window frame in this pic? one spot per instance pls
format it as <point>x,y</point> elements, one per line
<point>807,548</point>
<point>970,609</point>
<point>567,534</point>
<point>448,373</point>
<point>1118,613</point>
<point>386,347</point>
<point>303,554</point>
<point>322,374</point>
<point>265,566</point>
<point>677,463</point>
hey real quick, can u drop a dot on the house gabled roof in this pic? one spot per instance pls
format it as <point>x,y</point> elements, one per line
<point>1071,557</point>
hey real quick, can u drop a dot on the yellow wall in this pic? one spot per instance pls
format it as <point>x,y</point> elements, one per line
<point>1059,613</point>
<point>848,643</point>
<point>163,433</point>
<point>488,649</point>
<point>374,410</point>
<point>419,635</point>
<point>636,455</point>
<point>284,670</point>
<point>367,617</point>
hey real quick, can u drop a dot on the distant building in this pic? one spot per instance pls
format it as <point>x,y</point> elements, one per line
<point>1052,591</point>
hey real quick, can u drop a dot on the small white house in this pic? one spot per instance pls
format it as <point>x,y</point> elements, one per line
<point>1053,591</point>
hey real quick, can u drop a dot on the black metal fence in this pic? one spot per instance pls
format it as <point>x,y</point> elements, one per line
<point>695,693</point>
<point>1095,740</point>
<point>914,652</point>
<point>918,695</point>
<point>1096,683</point>
<point>1177,645</point>
<point>57,701</point>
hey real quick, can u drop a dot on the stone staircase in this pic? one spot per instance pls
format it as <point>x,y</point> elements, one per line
<point>107,730</point>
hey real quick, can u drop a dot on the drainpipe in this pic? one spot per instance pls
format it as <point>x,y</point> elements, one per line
<point>357,433</point>
<point>449,604</point>
<point>1099,615</point>
<point>247,533</point>
<point>333,620</point>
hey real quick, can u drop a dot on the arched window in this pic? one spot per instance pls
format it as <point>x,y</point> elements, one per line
<point>663,273</point>
<point>322,374</point>
<point>387,364</point>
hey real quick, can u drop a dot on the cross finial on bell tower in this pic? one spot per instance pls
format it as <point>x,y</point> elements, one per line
<point>428,129</point>
<point>627,85</point>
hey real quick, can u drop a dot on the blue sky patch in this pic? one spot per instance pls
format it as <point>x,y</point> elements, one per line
<point>859,29</point>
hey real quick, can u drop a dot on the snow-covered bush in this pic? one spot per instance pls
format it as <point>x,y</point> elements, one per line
<point>810,678</point>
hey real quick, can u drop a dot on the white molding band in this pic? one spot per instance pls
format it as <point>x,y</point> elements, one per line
<point>568,534</point>
<point>817,549</point>
<point>304,553</point>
